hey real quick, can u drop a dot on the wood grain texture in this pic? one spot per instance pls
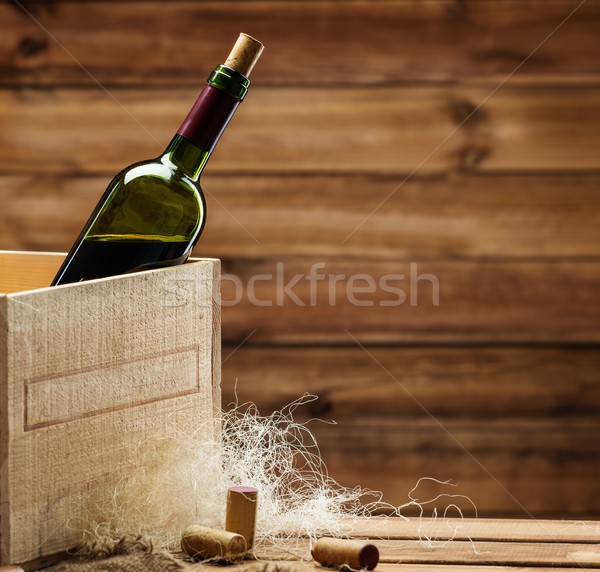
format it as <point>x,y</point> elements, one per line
<point>380,42</point>
<point>283,130</point>
<point>284,564</point>
<point>486,529</point>
<point>503,554</point>
<point>478,301</point>
<point>459,216</point>
<point>88,373</point>
<point>394,382</point>
<point>350,98</point>
<point>503,466</point>
<point>21,271</point>
<point>473,553</point>
<point>429,567</point>
<point>527,419</point>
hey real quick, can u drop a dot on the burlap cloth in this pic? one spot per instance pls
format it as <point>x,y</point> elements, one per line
<point>138,555</point>
<point>126,555</point>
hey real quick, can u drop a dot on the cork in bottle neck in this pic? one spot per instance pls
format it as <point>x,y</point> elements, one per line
<point>244,55</point>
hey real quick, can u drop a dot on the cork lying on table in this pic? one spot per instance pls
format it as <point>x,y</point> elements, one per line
<point>207,543</point>
<point>342,553</point>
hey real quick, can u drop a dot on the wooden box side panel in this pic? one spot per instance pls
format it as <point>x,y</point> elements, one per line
<point>95,371</point>
<point>4,494</point>
<point>21,271</point>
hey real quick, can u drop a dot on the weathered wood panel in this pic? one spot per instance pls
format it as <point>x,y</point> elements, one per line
<point>176,43</point>
<point>400,382</point>
<point>402,555</point>
<point>506,216</point>
<point>478,301</point>
<point>529,416</point>
<point>275,130</point>
<point>513,466</point>
<point>487,529</point>
<point>301,566</point>
<point>383,130</point>
<point>331,127</point>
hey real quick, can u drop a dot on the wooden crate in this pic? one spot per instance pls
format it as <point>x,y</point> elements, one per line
<point>88,372</point>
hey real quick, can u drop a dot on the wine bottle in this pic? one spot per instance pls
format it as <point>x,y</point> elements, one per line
<point>153,212</point>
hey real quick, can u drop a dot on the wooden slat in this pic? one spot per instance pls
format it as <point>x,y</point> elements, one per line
<point>283,130</point>
<point>508,216</point>
<point>177,42</point>
<point>518,467</point>
<point>405,567</point>
<point>486,529</point>
<point>457,216</point>
<point>275,130</point>
<point>505,553</point>
<point>350,383</point>
<point>470,553</point>
<point>478,301</point>
<point>286,565</point>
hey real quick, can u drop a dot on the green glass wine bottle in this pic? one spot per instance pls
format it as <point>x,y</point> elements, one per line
<point>153,212</point>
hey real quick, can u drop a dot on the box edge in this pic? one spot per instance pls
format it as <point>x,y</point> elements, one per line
<point>5,543</point>
<point>216,343</point>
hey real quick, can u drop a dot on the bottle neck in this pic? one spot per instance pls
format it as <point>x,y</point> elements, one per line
<point>208,118</point>
<point>186,156</point>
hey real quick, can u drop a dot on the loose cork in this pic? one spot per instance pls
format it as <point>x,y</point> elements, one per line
<point>340,553</point>
<point>241,512</point>
<point>244,55</point>
<point>210,543</point>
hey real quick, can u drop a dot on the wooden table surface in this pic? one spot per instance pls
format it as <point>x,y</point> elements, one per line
<point>484,545</point>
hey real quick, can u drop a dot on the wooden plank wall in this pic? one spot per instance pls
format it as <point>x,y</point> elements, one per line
<point>454,138</point>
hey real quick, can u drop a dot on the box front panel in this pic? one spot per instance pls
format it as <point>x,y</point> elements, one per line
<point>98,372</point>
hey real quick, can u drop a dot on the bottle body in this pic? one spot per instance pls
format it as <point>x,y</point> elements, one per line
<point>153,212</point>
